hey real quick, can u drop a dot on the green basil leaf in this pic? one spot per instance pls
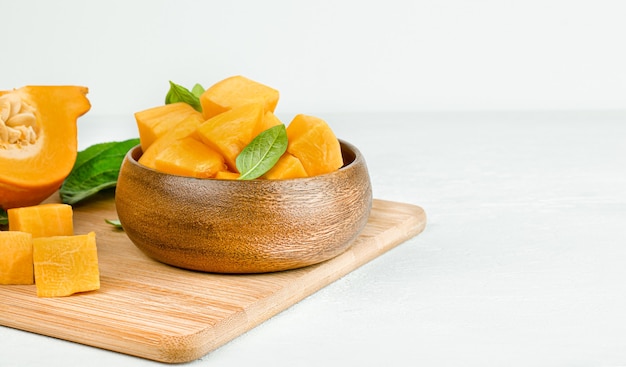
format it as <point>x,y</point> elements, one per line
<point>197,90</point>
<point>114,222</point>
<point>178,93</point>
<point>262,153</point>
<point>96,169</point>
<point>4,217</point>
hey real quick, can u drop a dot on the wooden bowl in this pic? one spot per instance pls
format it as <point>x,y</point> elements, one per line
<point>254,226</point>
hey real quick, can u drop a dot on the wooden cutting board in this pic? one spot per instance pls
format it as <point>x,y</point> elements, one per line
<point>151,310</point>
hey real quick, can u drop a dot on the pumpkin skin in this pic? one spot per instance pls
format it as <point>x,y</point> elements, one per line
<point>31,173</point>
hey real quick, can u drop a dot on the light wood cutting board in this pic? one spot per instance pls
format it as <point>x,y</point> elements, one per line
<point>151,310</point>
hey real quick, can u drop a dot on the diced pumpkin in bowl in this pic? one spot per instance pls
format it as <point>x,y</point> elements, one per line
<point>158,121</point>
<point>184,128</point>
<point>269,120</point>
<point>229,132</point>
<point>189,157</point>
<point>314,143</point>
<point>64,265</point>
<point>227,175</point>
<point>288,166</point>
<point>236,91</point>
<point>42,220</point>
<point>16,257</point>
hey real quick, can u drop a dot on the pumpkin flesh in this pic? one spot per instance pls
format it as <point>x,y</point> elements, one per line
<point>184,128</point>
<point>16,257</point>
<point>313,142</point>
<point>288,166</point>
<point>227,175</point>
<point>43,220</point>
<point>229,132</point>
<point>269,120</point>
<point>236,91</point>
<point>189,157</point>
<point>155,122</point>
<point>64,265</point>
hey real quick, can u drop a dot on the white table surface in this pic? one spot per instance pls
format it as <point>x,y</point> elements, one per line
<point>522,262</point>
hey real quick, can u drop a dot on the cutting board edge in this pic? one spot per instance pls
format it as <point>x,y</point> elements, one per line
<point>413,226</point>
<point>183,348</point>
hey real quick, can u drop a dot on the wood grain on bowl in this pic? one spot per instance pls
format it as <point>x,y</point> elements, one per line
<point>233,226</point>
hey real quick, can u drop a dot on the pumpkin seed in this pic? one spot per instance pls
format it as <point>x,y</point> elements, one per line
<point>18,123</point>
<point>24,118</point>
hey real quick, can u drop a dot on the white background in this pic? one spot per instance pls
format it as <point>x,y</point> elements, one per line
<point>326,56</point>
<point>521,263</point>
<point>504,120</point>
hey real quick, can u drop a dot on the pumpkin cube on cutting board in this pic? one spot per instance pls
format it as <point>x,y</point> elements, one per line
<point>64,265</point>
<point>16,257</point>
<point>42,220</point>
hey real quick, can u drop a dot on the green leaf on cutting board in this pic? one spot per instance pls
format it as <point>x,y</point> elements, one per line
<point>115,223</point>
<point>96,168</point>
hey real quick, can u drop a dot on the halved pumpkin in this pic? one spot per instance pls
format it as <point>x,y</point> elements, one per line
<point>38,141</point>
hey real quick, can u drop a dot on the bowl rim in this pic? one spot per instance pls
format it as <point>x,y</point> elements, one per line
<point>345,145</point>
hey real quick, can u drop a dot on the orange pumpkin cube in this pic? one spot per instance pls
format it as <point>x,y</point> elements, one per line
<point>182,129</point>
<point>157,121</point>
<point>288,166</point>
<point>64,265</point>
<point>189,157</point>
<point>227,175</point>
<point>269,120</point>
<point>229,132</point>
<point>16,257</point>
<point>42,220</point>
<point>236,91</point>
<point>314,143</point>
